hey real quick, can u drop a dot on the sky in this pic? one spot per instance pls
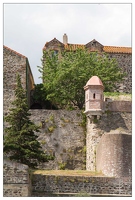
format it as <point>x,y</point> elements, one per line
<point>27,27</point>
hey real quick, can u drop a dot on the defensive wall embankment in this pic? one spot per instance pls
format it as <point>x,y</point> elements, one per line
<point>62,134</point>
<point>19,183</point>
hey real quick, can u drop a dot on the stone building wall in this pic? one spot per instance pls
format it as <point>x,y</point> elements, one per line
<point>14,63</point>
<point>114,155</point>
<point>62,135</point>
<point>43,185</point>
<point>125,63</point>
<point>16,180</point>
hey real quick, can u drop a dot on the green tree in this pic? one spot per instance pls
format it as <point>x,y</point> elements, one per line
<point>40,96</point>
<point>20,142</point>
<point>65,75</point>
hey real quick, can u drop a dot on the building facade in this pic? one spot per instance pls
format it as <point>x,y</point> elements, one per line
<point>13,63</point>
<point>123,55</point>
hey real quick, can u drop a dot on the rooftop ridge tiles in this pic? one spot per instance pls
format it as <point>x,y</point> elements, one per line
<point>115,49</point>
<point>14,51</point>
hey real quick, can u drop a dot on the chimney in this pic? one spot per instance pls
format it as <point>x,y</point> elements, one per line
<point>65,38</point>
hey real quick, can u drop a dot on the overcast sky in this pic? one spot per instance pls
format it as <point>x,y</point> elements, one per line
<point>27,27</point>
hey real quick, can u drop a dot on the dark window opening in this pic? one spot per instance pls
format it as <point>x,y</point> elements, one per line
<point>94,95</point>
<point>55,52</point>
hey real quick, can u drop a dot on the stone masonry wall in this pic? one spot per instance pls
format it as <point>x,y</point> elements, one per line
<point>16,181</point>
<point>62,135</point>
<point>118,106</point>
<point>50,184</point>
<point>110,122</point>
<point>12,63</point>
<point>114,155</point>
<point>125,63</point>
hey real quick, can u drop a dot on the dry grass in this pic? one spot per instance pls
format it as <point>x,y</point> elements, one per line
<point>68,172</point>
<point>116,96</point>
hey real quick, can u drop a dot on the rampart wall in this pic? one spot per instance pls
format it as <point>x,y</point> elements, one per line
<point>114,155</point>
<point>16,180</point>
<point>44,185</point>
<point>109,123</point>
<point>61,134</point>
<point>118,106</point>
<point>19,183</point>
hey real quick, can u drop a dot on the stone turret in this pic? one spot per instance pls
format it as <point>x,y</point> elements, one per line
<point>94,97</point>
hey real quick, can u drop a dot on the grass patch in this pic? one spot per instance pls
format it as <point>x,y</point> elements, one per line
<point>68,172</point>
<point>118,96</point>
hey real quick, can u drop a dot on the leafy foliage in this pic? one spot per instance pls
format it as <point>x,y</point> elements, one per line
<point>65,74</point>
<point>20,142</point>
<point>40,96</point>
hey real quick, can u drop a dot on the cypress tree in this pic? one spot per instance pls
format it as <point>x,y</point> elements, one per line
<point>20,141</point>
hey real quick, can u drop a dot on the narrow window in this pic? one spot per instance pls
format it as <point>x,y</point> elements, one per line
<point>94,96</point>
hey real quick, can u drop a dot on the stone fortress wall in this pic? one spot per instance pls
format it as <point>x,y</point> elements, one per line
<point>66,140</point>
<point>114,155</point>
<point>63,135</point>
<point>18,182</point>
<point>45,185</point>
<point>16,179</point>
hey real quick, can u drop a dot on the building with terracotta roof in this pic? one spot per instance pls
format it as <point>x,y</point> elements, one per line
<point>13,63</point>
<point>123,55</point>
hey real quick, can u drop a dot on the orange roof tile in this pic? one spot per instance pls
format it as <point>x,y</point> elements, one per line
<point>73,46</point>
<point>113,49</point>
<point>107,49</point>
<point>14,51</point>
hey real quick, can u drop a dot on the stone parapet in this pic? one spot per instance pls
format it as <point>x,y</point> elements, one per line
<point>118,106</point>
<point>50,184</point>
<point>16,180</point>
